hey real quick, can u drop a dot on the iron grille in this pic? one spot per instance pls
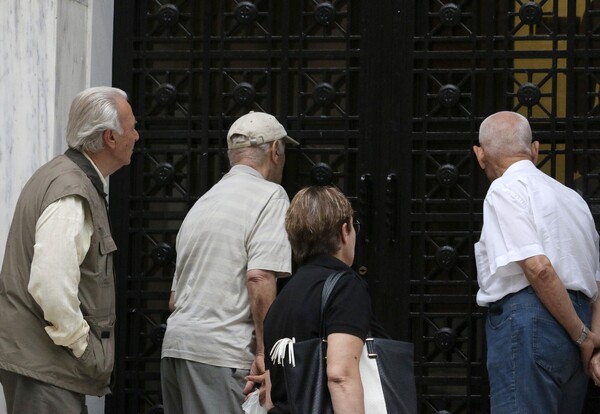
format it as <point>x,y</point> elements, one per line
<point>386,99</point>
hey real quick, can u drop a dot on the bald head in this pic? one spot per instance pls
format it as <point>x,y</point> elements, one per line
<point>505,134</point>
<point>504,138</point>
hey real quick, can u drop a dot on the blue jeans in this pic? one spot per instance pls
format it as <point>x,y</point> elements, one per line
<point>533,365</point>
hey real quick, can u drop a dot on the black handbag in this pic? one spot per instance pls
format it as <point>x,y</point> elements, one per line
<point>386,371</point>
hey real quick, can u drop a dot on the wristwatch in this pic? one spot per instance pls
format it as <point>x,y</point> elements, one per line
<point>584,333</point>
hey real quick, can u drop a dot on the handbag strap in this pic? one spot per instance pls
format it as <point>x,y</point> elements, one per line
<point>330,283</point>
<point>286,345</point>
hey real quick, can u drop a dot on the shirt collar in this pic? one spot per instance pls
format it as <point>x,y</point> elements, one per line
<point>327,260</point>
<point>520,166</point>
<point>96,168</point>
<point>245,169</point>
<point>88,168</point>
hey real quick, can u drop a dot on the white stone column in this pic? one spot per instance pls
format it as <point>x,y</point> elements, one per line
<point>49,51</point>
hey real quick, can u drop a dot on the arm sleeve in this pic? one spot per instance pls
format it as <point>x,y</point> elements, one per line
<point>508,218</point>
<point>62,239</point>
<point>348,309</point>
<point>268,246</point>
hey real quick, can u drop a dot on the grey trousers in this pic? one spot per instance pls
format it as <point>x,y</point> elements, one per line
<point>193,388</point>
<point>26,395</point>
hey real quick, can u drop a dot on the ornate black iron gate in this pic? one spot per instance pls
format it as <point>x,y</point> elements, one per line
<point>385,98</point>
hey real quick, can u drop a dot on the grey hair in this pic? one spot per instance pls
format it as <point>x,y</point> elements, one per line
<point>93,111</point>
<point>254,155</point>
<point>506,134</point>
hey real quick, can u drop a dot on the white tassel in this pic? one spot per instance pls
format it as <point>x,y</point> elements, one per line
<point>278,351</point>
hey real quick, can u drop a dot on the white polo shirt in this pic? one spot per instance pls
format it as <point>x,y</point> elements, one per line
<point>527,213</point>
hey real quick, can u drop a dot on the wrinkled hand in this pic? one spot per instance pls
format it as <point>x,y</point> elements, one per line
<point>586,350</point>
<point>594,367</point>
<point>257,374</point>
<point>262,391</point>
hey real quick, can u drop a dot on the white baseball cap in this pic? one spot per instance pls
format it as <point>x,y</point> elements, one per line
<point>258,128</point>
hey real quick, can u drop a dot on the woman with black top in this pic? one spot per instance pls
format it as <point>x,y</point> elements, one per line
<point>322,234</point>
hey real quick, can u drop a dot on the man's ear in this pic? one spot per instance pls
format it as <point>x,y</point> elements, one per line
<point>109,138</point>
<point>480,154</point>
<point>275,151</point>
<point>535,150</point>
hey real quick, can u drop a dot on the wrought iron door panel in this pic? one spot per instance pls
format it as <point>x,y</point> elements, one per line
<point>472,58</point>
<point>386,100</point>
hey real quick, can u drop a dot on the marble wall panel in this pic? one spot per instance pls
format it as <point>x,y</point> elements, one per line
<point>27,79</point>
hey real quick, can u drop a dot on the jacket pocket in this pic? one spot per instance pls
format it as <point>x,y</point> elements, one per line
<point>101,344</point>
<point>107,245</point>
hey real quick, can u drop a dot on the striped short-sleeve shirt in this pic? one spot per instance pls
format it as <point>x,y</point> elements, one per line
<point>236,226</point>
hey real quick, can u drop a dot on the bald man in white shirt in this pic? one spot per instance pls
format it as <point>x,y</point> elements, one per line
<point>538,272</point>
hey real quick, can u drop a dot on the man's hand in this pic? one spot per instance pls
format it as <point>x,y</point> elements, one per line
<point>586,350</point>
<point>590,356</point>
<point>594,367</point>
<point>257,372</point>
<point>264,392</point>
<point>553,294</point>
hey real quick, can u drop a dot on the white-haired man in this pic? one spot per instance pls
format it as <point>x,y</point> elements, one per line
<point>231,247</point>
<point>57,305</point>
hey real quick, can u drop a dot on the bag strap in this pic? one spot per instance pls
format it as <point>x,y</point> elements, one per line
<point>286,345</point>
<point>330,283</point>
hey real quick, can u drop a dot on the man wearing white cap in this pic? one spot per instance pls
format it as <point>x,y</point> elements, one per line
<point>231,248</point>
